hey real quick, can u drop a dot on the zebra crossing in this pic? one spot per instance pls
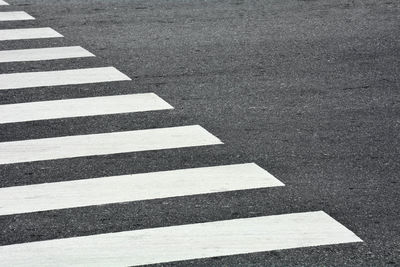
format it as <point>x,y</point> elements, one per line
<point>137,247</point>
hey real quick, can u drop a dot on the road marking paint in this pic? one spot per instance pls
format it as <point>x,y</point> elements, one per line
<point>15,15</point>
<point>105,143</point>
<point>80,107</point>
<point>135,187</point>
<point>184,242</point>
<point>37,54</point>
<point>60,77</point>
<point>2,3</point>
<point>28,33</point>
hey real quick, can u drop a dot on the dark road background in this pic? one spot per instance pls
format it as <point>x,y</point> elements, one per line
<point>309,90</point>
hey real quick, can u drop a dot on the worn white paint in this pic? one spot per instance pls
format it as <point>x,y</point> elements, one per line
<point>184,242</point>
<point>37,54</point>
<point>28,33</point>
<point>79,107</point>
<point>79,193</point>
<point>60,77</point>
<point>15,15</point>
<point>105,143</point>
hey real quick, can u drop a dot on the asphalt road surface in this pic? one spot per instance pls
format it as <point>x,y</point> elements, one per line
<point>247,133</point>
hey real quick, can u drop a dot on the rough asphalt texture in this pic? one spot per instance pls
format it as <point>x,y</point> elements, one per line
<point>309,90</point>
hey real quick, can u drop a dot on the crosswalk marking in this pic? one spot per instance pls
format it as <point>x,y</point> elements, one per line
<point>148,246</point>
<point>184,242</point>
<point>105,143</point>
<point>2,3</point>
<point>60,77</point>
<point>28,33</point>
<point>144,186</point>
<point>36,54</point>
<point>81,107</point>
<point>15,15</point>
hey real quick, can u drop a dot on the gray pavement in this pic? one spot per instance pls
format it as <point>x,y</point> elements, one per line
<point>309,90</point>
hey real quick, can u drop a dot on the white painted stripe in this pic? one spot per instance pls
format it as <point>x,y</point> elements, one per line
<point>15,15</point>
<point>37,54</point>
<point>81,107</point>
<point>184,242</point>
<point>105,143</point>
<point>80,193</point>
<point>29,33</point>
<point>60,77</point>
<point>2,3</point>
